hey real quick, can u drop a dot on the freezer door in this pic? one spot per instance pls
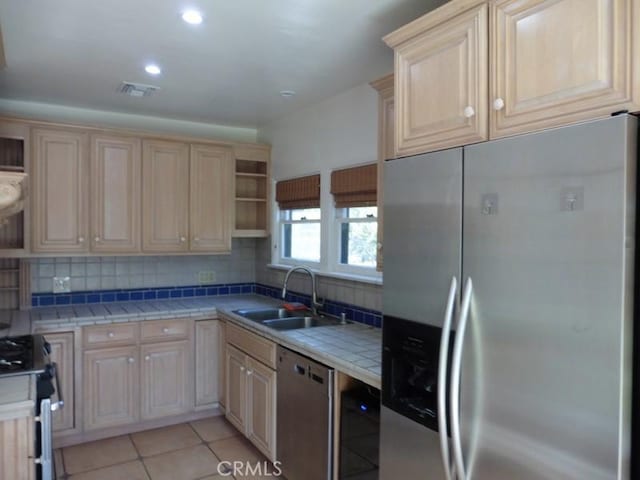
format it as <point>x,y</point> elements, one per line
<point>408,450</point>
<point>549,244</point>
<point>423,234</point>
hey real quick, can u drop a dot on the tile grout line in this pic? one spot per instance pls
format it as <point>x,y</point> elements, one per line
<point>140,457</point>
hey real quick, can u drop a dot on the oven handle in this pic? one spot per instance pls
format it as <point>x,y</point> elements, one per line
<point>60,403</point>
<point>45,460</point>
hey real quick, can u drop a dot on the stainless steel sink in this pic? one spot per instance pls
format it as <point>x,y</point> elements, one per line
<point>260,314</point>
<point>294,323</point>
<point>283,319</point>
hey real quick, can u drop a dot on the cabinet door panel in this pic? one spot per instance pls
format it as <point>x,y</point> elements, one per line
<point>166,388</point>
<point>115,194</point>
<point>211,198</point>
<point>59,180</point>
<point>261,394</point>
<point>440,73</point>
<point>222,363</point>
<point>236,388</point>
<point>562,61</point>
<point>207,362</point>
<point>62,349</point>
<point>111,387</point>
<point>165,190</point>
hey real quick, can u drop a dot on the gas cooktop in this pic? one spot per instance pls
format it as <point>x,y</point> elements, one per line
<point>22,355</point>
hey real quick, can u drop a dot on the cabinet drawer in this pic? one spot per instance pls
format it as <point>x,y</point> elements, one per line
<point>159,330</point>
<point>110,335</point>
<point>259,348</point>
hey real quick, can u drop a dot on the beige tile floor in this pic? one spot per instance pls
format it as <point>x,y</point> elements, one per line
<point>189,451</point>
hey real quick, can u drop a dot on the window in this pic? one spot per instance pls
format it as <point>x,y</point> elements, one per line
<point>355,194</point>
<point>299,219</point>
<point>358,233</point>
<point>338,237</point>
<point>300,234</point>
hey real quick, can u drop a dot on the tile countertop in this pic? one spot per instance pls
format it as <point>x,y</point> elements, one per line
<point>354,349</point>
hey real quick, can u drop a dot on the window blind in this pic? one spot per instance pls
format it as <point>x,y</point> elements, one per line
<point>303,192</point>
<point>355,187</point>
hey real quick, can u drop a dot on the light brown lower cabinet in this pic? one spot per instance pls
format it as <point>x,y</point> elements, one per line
<point>251,399</point>
<point>208,363</point>
<point>236,388</point>
<point>62,353</point>
<point>139,381</point>
<point>111,387</point>
<point>261,406</point>
<point>165,379</point>
<point>17,448</point>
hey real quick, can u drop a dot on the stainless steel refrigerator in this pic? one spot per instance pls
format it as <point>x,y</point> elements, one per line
<point>508,308</point>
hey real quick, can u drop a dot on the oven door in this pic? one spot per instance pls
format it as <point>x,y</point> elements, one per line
<point>45,468</point>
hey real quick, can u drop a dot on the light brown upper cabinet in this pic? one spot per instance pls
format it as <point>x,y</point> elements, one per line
<point>386,131</point>
<point>115,194</point>
<point>477,69</point>
<point>165,196</point>
<point>60,213</point>
<point>561,61</point>
<point>211,206</point>
<point>441,78</point>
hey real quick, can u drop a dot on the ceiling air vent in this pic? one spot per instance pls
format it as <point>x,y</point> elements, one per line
<point>137,89</point>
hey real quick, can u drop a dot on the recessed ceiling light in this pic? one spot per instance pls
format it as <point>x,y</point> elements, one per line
<point>192,17</point>
<point>153,69</point>
<point>287,93</point>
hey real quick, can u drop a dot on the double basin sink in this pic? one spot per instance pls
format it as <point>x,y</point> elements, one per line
<point>283,319</point>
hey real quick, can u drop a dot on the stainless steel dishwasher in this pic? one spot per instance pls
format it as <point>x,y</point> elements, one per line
<point>305,417</point>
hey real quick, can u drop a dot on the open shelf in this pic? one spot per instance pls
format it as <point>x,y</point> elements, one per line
<point>251,198</point>
<point>12,160</point>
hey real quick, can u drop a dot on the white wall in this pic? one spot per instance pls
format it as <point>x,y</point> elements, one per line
<point>340,131</point>
<point>86,116</point>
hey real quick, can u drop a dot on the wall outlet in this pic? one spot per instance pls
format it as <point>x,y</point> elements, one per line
<point>61,284</point>
<point>206,277</point>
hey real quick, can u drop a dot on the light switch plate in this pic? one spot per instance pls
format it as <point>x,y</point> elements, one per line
<point>61,284</point>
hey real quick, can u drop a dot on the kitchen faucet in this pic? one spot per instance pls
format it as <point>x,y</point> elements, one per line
<point>314,295</point>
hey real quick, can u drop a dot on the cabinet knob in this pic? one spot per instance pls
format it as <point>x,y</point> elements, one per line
<point>183,239</point>
<point>80,239</point>
<point>498,104</point>
<point>97,239</point>
<point>242,369</point>
<point>111,334</point>
<point>165,330</point>
<point>379,246</point>
<point>469,112</point>
<point>131,360</point>
<point>147,358</point>
<point>249,372</point>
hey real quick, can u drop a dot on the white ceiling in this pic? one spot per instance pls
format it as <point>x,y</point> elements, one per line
<point>228,70</point>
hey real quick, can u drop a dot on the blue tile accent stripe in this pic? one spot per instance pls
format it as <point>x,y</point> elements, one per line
<point>353,312</point>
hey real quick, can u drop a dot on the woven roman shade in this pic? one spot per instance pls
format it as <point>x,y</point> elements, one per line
<point>303,192</point>
<point>355,187</point>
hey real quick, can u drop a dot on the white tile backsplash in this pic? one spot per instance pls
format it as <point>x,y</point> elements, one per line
<point>105,273</point>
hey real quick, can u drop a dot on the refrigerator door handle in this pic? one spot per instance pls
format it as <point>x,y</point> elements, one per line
<point>454,400</point>
<point>442,378</point>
